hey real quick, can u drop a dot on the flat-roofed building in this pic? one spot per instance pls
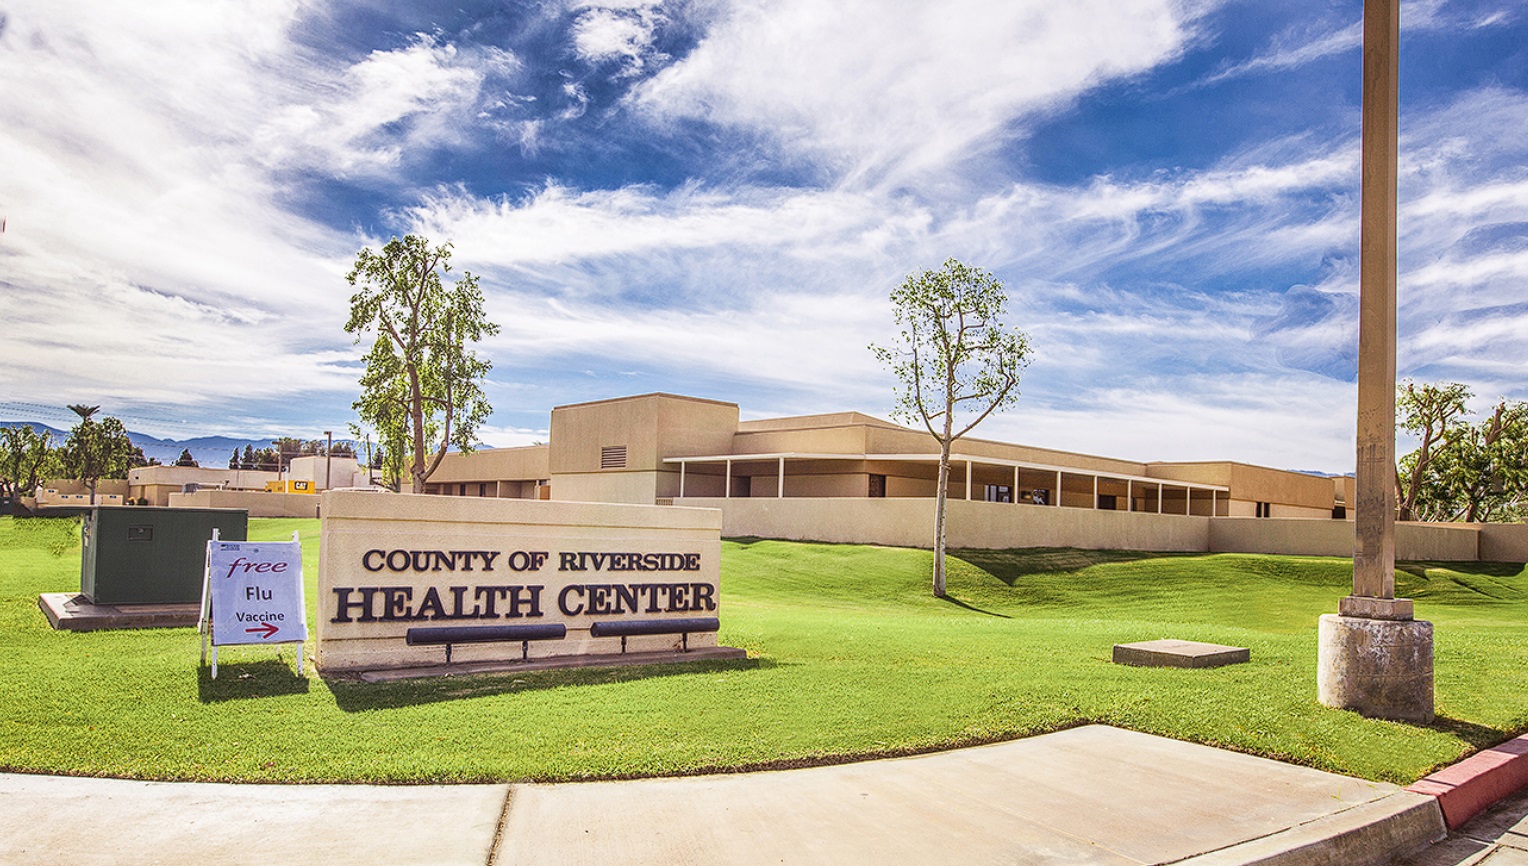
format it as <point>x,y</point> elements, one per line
<point>665,448</point>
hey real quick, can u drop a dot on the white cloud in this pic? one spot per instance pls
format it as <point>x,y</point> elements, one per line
<point>619,32</point>
<point>558,225</point>
<point>346,124</point>
<point>868,87</point>
<point>143,239</point>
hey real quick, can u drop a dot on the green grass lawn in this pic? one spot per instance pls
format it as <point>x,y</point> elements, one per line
<point>850,657</point>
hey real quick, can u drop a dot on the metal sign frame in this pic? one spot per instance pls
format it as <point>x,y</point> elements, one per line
<point>205,626</point>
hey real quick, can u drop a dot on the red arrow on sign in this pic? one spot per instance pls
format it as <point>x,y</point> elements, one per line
<point>266,627</point>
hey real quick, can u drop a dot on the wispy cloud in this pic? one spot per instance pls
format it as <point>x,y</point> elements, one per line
<point>365,116</point>
<point>1304,44</point>
<point>870,89</point>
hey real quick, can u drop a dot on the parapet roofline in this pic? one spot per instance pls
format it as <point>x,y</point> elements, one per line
<point>663,394</point>
<point>816,422</point>
<point>858,419</point>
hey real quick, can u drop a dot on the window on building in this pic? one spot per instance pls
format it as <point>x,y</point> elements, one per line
<point>1265,509</point>
<point>998,493</point>
<point>613,457</point>
<point>1339,512</point>
<point>1108,502</point>
<point>877,487</point>
<point>482,489</point>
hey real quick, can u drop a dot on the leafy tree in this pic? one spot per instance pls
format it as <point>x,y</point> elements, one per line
<point>954,359</point>
<point>266,459</point>
<point>96,449</point>
<point>26,456</point>
<point>287,449</point>
<point>1479,473</point>
<point>420,388</point>
<point>1433,413</point>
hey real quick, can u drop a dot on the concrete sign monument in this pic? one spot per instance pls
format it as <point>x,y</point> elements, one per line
<point>1374,657</point>
<point>421,581</point>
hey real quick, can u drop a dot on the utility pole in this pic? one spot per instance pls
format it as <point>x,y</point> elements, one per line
<point>329,460</point>
<point>1374,657</point>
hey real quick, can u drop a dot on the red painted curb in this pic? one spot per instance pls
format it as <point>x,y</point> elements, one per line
<point>1475,783</point>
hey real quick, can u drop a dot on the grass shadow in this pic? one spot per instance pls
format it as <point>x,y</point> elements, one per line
<point>356,696</point>
<point>1463,582</point>
<point>239,681</point>
<point>1478,736</point>
<point>1012,564</point>
<point>950,599</point>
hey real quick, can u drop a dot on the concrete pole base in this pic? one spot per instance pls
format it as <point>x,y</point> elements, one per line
<point>1380,668</point>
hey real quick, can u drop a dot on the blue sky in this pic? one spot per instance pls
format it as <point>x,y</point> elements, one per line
<point>715,198</point>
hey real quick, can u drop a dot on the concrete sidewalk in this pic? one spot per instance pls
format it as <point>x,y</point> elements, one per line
<point>1092,795</point>
<point>1496,837</point>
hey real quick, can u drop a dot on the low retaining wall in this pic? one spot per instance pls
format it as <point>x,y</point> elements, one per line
<point>257,503</point>
<point>1504,542</point>
<point>1002,525</point>
<point>1413,541</point>
<point>910,523</point>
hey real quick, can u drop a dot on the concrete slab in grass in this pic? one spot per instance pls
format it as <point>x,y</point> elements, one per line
<point>1179,654</point>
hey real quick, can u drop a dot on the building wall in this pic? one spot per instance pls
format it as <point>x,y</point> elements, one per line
<point>526,464</point>
<point>843,437</point>
<point>890,439</point>
<point>342,472</point>
<point>649,427</point>
<point>632,488</point>
<point>157,483</point>
<point>1292,493</point>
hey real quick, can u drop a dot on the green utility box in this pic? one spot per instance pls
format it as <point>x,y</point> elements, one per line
<point>151,555</point>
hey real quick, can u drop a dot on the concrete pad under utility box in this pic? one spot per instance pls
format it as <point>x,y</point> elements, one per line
<point>70,611</point>
<point>1170,653</point>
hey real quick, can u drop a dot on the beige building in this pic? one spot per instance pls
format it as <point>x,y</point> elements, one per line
<point>663,448</point>
<point>71,493</point>
<point>157,484</point>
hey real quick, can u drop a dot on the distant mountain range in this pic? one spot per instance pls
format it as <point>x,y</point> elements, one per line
<point>210,451</point>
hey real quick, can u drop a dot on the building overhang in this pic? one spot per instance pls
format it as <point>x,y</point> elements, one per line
<point>786,456</point>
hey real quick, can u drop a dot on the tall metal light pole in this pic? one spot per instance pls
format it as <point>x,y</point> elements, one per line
<point>1374,656</point>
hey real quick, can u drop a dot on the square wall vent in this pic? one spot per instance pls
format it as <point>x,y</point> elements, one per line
<point>613,457</point>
